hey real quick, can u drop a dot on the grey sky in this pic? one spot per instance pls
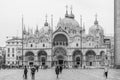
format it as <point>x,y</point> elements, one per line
<point>34,12</point>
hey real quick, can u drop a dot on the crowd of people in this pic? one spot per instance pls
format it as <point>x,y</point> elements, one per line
<point>58,70</point>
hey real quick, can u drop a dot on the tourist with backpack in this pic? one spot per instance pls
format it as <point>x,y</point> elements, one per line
<point>33,73</point>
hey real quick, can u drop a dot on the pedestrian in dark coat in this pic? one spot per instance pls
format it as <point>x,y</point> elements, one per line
<point>106,72</point>
<point>61,68</point>
<point>37,68</point>
<point>57,71</point>
<point>25,73</point>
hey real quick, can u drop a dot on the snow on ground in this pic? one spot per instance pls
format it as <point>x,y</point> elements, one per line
<point>67,74</point>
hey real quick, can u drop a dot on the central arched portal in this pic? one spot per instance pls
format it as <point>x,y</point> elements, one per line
<point>59,57</point>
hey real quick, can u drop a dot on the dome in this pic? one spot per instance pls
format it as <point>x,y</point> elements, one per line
<point>96,29</point>
<point>68,22</point>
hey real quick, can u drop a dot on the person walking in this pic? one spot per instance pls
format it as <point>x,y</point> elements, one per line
<point>33,73</point>
<point>61,68</point>
<point>106,72</point>
<point>25,73</point>
<point>37,68</point>
<point>57,71</point>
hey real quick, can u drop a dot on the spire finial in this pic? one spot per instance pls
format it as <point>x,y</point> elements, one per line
<point>96,16</point>
<point>66,8</point>
<point>46,23</point>
<point>66,15</point>
<point>51,20</point>
<point>71,15</point>
<point>96,22</point>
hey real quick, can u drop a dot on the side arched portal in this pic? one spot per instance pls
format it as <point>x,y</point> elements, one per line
<point>77,58</point>
<point>90,58</point>
<point>102,56</point>
<point>42,58</point>
<point>29,57</point>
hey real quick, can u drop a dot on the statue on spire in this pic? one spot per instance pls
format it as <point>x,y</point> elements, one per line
<point>71,15</point>
<point>36,29</point>
<point>24,30</point>
<point>96,22</point>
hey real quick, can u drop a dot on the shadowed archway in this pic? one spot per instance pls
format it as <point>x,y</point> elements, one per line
<point>77,58</point>
<point>90,58</point>
<point>42,57</point>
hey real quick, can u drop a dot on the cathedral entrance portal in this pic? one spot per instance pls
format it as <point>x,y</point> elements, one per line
<point>30,63</point>
<point>59,57</point>
<point>60,60</point>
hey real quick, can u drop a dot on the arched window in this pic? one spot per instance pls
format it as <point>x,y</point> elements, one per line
<point>31,45</point>
<point>8,55</point>
<point>43,45</point>
<point>12,55</point>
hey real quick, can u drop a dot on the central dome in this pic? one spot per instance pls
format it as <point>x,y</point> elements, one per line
<point>68,22</point>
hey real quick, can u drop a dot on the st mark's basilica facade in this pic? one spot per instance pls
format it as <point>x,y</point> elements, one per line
<point>67,45</point>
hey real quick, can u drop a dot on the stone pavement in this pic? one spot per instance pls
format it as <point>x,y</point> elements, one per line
<point>67,74</point>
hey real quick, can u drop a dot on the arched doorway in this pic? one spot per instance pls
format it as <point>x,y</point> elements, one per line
<point>90,58</point>
<point>77,58</point>
<point>42,58</point>
<point>102,56</point>
<point>59,57</point>
<point>60,39</point>
<point>29,57</point>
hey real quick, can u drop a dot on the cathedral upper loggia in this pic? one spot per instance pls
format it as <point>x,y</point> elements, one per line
<point>67,45</point>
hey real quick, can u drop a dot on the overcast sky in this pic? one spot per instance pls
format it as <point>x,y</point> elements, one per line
<point>34,12</point>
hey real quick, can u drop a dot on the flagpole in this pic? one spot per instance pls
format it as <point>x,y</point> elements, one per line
<point>22,39</point>
<point>51,40</point>
<point>81,35</point>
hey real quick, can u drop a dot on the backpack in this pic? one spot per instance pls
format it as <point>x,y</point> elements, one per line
<point>33,70</point>
<point>25,70</point>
